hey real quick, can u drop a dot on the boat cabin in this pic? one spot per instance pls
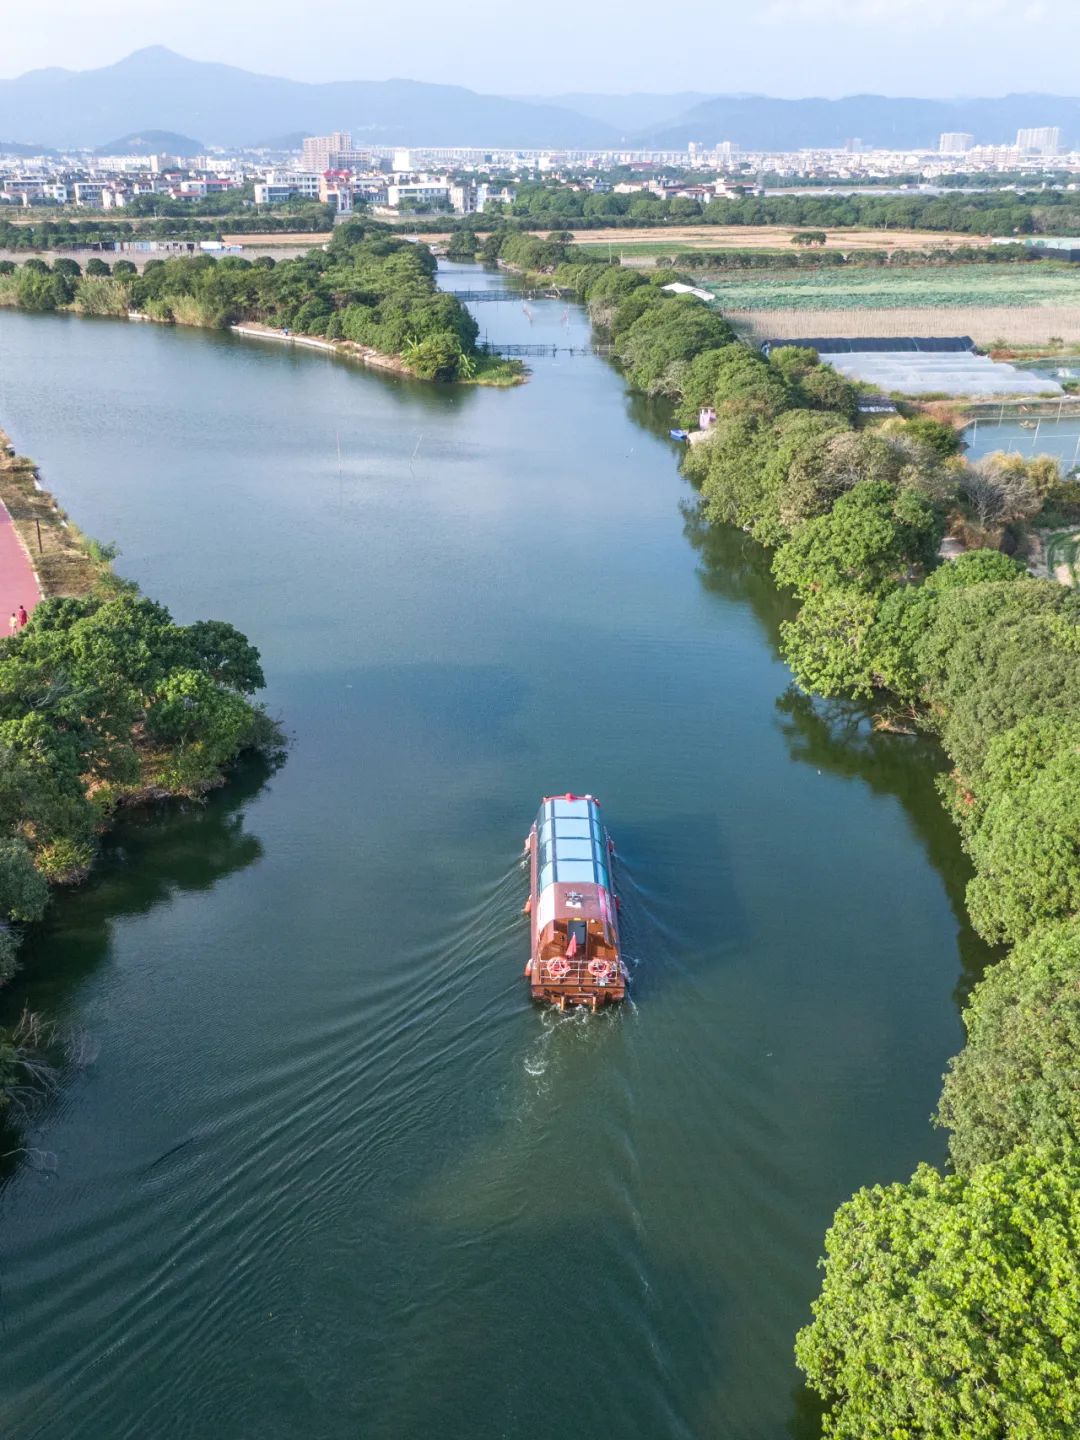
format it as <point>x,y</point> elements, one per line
<point>574,956</point>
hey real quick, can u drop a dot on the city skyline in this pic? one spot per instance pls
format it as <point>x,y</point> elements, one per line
<point>785,48</point>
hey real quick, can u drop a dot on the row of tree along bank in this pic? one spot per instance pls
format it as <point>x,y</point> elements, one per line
<point>555,204</point>
<point>814,258</point>
<point>104,702</point>
<point>189,220</point>
<point>951,1304</point>
<point>366,288</point>
<point>1037,212</point>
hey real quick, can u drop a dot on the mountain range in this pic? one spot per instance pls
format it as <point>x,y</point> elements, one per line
<point>157,90</point>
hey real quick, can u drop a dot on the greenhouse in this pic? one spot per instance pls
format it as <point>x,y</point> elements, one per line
<point>911,372</point>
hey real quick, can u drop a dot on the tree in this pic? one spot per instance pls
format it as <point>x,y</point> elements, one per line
<point>951,1306</point>
<point>1026,851</point>
<point>672,328</point>
<point>222,652</point>
<point>1016,1080</point>
<point>942,439</point>
<point>438,357</point>
<point>23,893</point>
<point>998,653</point>
<point>730,469</point>
<point>873,537</point>
<point>826,644</point>
<point>818,475</point>
<point>1000,489</point>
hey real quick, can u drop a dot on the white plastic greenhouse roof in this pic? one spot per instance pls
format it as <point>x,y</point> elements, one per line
<point>959,373</point>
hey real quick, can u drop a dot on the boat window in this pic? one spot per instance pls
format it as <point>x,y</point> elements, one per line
<point>575,871</point>
<point>579,809</point>
<point>572,846</point>
<point>577,930</point>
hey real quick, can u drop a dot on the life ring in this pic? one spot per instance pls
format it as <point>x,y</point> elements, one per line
<point>558,968</point>
<point>598,969</point>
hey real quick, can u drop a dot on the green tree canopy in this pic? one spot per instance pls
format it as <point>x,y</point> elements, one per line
<point>951,1306</point>
<point>1017,1079</point>
<point>1026,848</point>
<point>874,537</point>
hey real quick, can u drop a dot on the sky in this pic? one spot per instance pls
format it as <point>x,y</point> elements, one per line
<point>778,47</point>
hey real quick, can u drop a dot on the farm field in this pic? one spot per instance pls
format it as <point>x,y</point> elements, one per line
<point>962,286</point>
<point>994,327</point>
<point>654,241</point>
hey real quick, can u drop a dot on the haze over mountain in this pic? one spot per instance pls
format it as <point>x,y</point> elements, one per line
<point>757,122</point>
<point>152,142</point>
<point>628,113</point>
<point>156,90</point>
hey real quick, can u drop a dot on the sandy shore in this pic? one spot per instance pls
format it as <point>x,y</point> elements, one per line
<point>364,353</point>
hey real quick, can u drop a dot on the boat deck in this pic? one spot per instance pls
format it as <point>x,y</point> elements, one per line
<point>574,956</point>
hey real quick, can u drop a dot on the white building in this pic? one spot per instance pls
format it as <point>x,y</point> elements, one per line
<point>88,192</point>
<point>955,142</point>
<point>1044,140</point>
<point>464,198</point>
<point>279,185</point>
<point>420,194</point>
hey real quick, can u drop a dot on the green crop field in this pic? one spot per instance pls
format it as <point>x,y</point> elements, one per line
<point>635,250</point>
<point>902,288</point>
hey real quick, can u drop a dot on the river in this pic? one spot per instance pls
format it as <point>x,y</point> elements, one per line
<point>318,1168</point>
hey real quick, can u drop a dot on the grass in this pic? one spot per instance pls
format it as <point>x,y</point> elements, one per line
<point>66,562</point>
<point>493,370</point>
<point>940,287</point>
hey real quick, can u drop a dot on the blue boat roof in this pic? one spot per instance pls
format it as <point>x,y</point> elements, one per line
<point>572,848</point>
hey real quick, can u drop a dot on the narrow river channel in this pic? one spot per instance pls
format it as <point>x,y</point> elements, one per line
<point>323,1171</point>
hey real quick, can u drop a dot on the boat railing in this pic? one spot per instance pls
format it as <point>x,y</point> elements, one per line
<point>578,974</point>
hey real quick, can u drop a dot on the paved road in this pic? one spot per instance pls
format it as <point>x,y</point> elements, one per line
<point>18,585</point>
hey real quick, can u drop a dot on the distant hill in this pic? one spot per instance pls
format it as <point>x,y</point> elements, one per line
<point>152,142</point>
<point>10,147</point>
<point>156,91</point>
<point>293,141</point>
<point>629,114</point>
<point>757,122</point>
<point>156,88</point>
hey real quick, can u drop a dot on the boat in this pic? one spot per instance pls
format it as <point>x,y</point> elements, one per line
<point>679,434</point>
<point>574,955</point>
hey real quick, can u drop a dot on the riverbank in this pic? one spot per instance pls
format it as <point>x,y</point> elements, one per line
<point>375,302</point>
<point>498,375</point>
<point>61,559</point>
<point>986,658</point>
<point>254,968</point>
<point>364,353</point>
<point>157,711</point>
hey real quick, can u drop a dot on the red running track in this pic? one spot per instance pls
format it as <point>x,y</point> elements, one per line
<point>18,584</point>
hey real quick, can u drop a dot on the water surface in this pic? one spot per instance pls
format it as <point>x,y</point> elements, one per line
<point>324,1171</point>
